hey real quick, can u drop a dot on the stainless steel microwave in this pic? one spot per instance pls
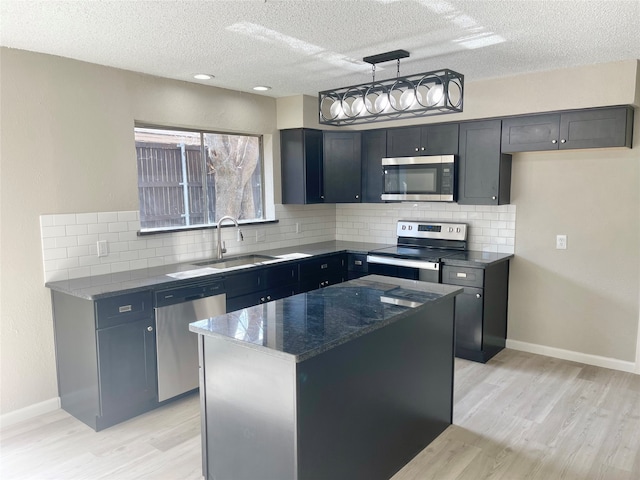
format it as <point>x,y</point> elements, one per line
<point>420,179</point>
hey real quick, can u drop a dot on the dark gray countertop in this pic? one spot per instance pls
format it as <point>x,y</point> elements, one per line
<point>102,286</point>
<point>307,324</point>
<point>475,258</point>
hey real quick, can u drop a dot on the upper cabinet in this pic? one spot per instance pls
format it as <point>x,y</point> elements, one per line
<point>597,128</point>
<point>301,156</point>
<point>342,167</point>
<point>374,149</point>
<point>484,173</point>
<point>438,139</point>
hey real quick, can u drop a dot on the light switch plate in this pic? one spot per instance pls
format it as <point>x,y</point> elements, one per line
<point>561,242</point>
<point>103,248</point>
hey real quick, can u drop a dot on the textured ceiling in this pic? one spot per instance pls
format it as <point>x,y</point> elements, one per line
<point>304,46</point>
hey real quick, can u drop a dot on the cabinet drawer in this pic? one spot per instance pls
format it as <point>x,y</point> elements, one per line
<point>322,266</point>
<point>357,262</point>
<point>463,276</point>
<point>123,308</point>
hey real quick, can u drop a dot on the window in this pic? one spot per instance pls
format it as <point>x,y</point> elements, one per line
<point>190,179</point>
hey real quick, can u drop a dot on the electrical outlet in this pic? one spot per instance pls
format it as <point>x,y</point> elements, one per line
<point>103,248</point>
<point>561,242</point>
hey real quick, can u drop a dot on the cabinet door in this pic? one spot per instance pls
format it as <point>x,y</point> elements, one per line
<point>609,127</point>
<point>484,174</point>
<point>531,133</point>
<point>403,142</point>
<point>278,276</point>
<point>342,170</point>
<point>321,272</point>
<point>127,369</point>
<point>469,308</point>
<point>237,284</point>
<point>301,166</point>
<point>439,139</point>
<point>374,149</point>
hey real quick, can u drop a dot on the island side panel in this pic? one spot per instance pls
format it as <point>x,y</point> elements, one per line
<point>367,407</point>
<point>250,412</point>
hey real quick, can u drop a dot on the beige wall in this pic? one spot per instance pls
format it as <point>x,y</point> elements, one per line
<point>67,147</point>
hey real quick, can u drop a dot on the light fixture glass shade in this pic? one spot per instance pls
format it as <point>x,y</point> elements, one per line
<point>431,93</point>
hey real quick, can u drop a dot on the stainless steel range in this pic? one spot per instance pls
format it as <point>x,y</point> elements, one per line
<point>419,250</point>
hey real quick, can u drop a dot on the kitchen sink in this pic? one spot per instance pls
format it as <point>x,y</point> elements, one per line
<point>240,261</point>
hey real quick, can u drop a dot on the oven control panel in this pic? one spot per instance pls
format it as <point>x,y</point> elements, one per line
<point>435,230</point>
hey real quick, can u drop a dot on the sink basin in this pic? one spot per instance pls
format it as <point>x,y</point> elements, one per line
<point>244,260</point>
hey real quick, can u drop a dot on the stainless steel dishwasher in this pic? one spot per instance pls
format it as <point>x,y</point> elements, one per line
<point>177,347</point>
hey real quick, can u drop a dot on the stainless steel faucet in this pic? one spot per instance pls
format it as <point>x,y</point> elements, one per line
<point>221,248</point>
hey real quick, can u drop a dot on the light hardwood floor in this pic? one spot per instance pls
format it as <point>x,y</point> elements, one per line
<point>520,416</point>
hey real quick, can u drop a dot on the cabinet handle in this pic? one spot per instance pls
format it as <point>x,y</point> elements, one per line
<point>268,297</point>
<point>554,141</point>
<point>358,262</point>
<point>357,196</point>
<point>322,197</point>
<point>262,299</point>
<point>149,329</point>
<point>417,149</point>
<point>494,197</point>
<point>124,309</point>
<point>478,295</point>
<point>563,141</point>
<point>324,265</point>
<point>422,148</point>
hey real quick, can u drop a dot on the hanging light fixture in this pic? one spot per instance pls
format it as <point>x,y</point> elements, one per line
<point>430,93</point>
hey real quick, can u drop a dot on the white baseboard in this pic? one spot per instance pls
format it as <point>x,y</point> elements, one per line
<point>29,412</point>
<point>586,358</point>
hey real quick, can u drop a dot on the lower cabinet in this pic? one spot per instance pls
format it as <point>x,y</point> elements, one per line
<point>262,285</point>
<point>322,272</point>
<point>357,265</point>
<point>481,310</point>
<point>106,357</point>
<point>127,369</point>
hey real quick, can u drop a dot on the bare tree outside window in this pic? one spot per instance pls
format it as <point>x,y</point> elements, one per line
<point>188,179</point>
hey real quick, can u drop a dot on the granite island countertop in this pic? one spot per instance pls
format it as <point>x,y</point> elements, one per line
<point>304,325</point>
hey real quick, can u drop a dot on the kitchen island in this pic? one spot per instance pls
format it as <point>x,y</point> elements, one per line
<point>345,382</point>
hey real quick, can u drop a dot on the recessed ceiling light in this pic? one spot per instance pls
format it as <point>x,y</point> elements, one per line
<point>262,88</point>
<point>203,76</point>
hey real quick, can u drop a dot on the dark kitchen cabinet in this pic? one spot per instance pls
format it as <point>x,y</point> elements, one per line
<point>105,356</point>
<point>437,139</point>
<point>342,167</point>
<point>301,158</point>
<point>596,128</point>
<point>127,369</point>
<point>481,310</point>
<point>322,272</point>
<point>246,289</point>
<point>356,265</point>
<point>484,173</point>
<point>374,149</point>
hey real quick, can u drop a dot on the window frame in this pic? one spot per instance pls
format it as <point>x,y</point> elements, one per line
<point>201,132</point>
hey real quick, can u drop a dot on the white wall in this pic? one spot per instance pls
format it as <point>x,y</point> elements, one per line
<point>66,147</point>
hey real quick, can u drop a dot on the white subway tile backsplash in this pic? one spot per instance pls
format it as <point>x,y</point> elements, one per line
<point>65,219</point>
<point>53,231</point>
<point>107,217</point>
<point>76,230</point>
<point>70,251</point>
<point>86,218</point>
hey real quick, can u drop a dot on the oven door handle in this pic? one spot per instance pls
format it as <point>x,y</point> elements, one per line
<point>402,262</point>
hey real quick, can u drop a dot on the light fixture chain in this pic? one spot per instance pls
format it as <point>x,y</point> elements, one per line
<point>398,72</point>
<point>373,72</point>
